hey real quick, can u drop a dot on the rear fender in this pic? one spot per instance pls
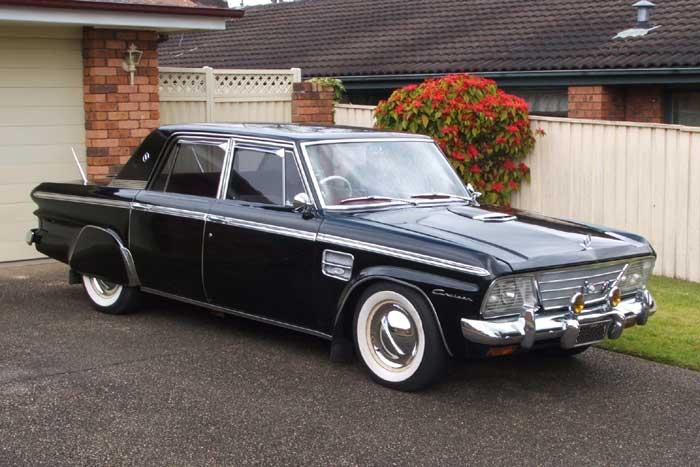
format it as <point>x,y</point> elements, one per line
<point>100,252</point>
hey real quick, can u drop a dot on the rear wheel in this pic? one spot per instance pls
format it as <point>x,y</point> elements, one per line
<point>397,338</point>
<point>108,297</point>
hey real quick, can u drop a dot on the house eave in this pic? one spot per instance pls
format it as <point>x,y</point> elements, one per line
<point>622,76</point>
<point>182,20</point>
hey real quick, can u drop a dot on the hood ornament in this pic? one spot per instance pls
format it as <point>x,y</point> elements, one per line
<point>473,194</point>
<point>586,243</point>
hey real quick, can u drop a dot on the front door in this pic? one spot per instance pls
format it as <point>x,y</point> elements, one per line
<point>259,253</point>
<point>167,219</point>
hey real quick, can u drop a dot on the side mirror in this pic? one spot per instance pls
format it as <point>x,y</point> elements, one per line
<point>301,202</point>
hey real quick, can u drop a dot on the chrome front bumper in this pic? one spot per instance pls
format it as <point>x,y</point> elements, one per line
<point>530,327</point>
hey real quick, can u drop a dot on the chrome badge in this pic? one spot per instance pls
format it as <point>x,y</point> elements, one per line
<point>145,157</point>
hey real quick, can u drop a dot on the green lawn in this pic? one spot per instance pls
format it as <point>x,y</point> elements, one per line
<point>672,335</point>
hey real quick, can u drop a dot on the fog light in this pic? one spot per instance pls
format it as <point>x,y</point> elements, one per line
<point>577,303</point>
<point>615,296</point>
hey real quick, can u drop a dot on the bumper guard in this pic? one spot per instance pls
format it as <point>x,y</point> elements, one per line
<point>529,328</point>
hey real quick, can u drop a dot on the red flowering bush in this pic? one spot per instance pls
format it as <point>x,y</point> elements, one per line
<point>484,131</point>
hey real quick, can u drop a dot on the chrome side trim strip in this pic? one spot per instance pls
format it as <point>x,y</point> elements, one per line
<point>83,200</point>
<point>269,228</point>
<point>169,211</point>
<point>403,254</point>
<point>241,314</point>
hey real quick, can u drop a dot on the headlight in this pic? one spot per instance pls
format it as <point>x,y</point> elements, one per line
<point>508,295</point>
<point>636,275</point>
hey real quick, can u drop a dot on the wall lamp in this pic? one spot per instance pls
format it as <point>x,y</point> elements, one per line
<point>131,60</point>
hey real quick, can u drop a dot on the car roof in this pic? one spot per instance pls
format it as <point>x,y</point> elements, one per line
<point>289,131</point>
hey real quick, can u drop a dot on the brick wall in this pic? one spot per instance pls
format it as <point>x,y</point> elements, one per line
<point>597,102</point>
<point>644,104</point>
<point>623,103</point>
<point>312,103</point>
<point>117,115</point>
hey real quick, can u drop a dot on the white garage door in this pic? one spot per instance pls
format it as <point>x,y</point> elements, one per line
<point>41,118</point>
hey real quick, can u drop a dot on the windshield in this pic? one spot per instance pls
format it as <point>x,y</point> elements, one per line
<point>373,172</point>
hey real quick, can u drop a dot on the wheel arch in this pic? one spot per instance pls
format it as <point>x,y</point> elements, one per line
<point>342,325</point>
<point>101,252</point>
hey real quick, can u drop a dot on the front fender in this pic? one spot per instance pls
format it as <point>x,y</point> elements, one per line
<point>100,252</point>
<point>445,308</point>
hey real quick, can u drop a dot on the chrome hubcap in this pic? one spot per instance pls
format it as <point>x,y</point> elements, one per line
<point>393,336</point>
<point>104,288</point>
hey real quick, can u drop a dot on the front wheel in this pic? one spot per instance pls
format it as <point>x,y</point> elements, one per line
<point>397,338</point>
<point>108,297</point>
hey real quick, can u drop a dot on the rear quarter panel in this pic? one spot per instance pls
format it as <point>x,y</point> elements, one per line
<point>64,209</point>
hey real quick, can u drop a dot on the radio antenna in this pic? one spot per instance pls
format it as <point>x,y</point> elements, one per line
<point>80,167</point>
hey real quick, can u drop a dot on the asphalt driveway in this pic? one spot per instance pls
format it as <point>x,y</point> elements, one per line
<point>176,385</point>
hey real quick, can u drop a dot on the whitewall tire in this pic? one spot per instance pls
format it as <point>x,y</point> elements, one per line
<point>397,337</point>
<point>109,297</point>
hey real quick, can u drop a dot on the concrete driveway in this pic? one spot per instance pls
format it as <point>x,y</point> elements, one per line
<point>175,385</point>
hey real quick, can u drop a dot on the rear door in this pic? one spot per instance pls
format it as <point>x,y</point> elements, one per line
<point>167,219</point>
<point>259,253</point>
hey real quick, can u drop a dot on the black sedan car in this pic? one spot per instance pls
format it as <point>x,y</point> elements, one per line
<point>368,239</point>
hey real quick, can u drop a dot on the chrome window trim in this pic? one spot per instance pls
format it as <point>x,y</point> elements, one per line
<point>279,152</point>
<point>289,146</point>
<point>241,314</point>
<point>232,134</point>
<point>268,228</point>
<point>226,169</point>
<point>403,254</point>
<point>413,138</point>
<point>83,199</point>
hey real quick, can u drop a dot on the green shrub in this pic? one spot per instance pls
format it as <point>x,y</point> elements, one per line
<point>484,131</point>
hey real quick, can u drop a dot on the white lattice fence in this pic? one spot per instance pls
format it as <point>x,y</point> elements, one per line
<point>209,95</point>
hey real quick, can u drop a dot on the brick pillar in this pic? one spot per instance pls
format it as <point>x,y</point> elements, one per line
<point>312,103</point>
<point>597,102</point>
<point>645,104</point>
<point>117,115</point>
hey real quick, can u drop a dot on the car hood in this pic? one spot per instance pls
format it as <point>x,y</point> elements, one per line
<point>521,239</point>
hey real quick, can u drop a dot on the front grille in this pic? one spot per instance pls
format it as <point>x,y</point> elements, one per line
<point>558,286</point>
<point>593,333</point>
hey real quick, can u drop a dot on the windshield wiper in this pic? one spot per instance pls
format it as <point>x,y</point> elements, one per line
<point>376,198</point>
<point>441,196</point>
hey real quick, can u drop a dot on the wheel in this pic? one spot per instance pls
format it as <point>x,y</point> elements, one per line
<point>110,298</point>
<point>397,338</point>
<point>559,352</point>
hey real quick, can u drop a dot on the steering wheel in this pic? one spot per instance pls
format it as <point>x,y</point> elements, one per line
<point>324,182</point>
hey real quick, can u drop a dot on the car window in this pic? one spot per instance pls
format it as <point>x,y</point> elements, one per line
<point>192,169</point>
<point>257,175</point>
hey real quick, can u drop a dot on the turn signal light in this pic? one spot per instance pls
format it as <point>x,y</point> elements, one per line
<point>615,296</point>
<point>578,303</point>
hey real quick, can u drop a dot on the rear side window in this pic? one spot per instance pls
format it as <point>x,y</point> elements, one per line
<point>264,176</point>
<point>192,169</point>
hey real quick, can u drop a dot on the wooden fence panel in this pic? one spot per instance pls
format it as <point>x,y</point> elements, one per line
<point>354,115</point>
<point>232,96</point>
